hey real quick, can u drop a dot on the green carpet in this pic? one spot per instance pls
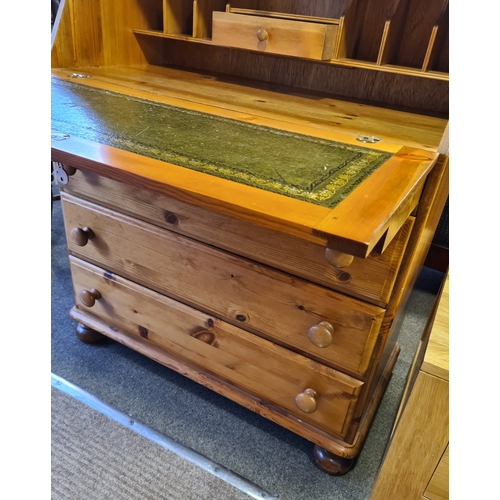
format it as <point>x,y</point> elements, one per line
<point>315,170</point>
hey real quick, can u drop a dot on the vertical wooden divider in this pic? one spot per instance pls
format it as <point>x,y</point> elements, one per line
<point>198,28</point>
<point>166,17</point>
<point>392,33</point>
<point>350,29</point>
<point>437,51</point>
<point>177,17</point>
<point>383,43</point>
<point>338,40</point>
<point>432,39</point>
<point>377,13</point>
<point>202,16</point>
<point>419,23</point>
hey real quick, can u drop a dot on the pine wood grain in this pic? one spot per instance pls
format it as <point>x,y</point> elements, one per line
<point>439,487</point>
<point>437,357</point>
<point>203,13</point>
<point>250,363</point>
<point>382,215</point>
<point>177,17</point>
<point>439,57</point>
<point>282,15</point>
<point>298,38</point>
<point>274,305</point>
<point>370,279</point>
<point>93,34</point>
<point>345,78</point>
<point>422,16</point>
<point>357,234</point>
<point>428,214</point>
<point>107,35</point>
<point>277,107</point>
<point>419,448</point>
<point>261,360</point>
<point>376,13</point>
<point>420,436</point>
<point>335,445</point>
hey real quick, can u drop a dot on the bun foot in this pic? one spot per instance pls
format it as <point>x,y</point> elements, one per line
<point>87,335</point>
<point>330,463</point>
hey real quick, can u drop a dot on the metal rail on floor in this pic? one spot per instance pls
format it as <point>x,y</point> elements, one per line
<point>144,430</point>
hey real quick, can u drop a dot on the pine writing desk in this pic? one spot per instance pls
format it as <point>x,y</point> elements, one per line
<point>230,216</point>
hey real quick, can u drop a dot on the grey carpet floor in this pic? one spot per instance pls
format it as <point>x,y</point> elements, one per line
<point>94,457</point>
<point>264,453</point>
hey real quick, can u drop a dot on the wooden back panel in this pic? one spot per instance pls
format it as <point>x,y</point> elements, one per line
<point>101,34</point>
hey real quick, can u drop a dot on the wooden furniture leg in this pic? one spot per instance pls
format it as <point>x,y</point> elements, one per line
<point>330,463</point>
<point>87,335</point>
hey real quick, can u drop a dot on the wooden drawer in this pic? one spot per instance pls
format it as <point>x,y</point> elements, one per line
<point>370,279</point>
<point>260,299</point>
<point>270,372</point>
<point>309,40</point>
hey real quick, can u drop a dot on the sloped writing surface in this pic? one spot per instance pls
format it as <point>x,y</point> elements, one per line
<point>318,171</point>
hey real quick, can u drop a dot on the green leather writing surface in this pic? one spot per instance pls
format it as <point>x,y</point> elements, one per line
<point>315,170</point>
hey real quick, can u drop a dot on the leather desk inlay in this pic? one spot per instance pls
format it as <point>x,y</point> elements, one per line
<point>306,168</point>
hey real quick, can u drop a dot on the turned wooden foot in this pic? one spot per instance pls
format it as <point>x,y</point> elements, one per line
<point>87,335</point>
<point>330,463</point>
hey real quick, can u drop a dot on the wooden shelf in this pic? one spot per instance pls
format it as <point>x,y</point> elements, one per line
<point>347,63</point>
<point>160,34</point>
<point>155,32</point>
<point>390,68</point>
<point>350,34</point>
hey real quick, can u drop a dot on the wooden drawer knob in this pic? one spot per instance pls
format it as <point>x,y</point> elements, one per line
<point>321,335</point>
<point>262,34</point>
<point>81,236</point>
<point>338,259</point>
<point>306,401</point>
<point>88,297</point>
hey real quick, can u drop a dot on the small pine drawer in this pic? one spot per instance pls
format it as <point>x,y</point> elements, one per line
<point>304,39</point>
<point>297,385</point>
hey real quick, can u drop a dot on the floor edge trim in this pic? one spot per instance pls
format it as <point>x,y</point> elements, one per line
<point>144,430</point>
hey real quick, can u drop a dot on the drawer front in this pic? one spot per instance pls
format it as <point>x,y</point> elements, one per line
<point>330,327</point>
<point>276,36</point>
<point>370,279</point>
<point>303,388</point>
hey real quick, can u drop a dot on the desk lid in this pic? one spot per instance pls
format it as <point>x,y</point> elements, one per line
<point>306,168</point>
<point>310,186</point>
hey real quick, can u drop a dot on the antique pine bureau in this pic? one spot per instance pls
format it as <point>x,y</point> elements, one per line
<point>249,190</point>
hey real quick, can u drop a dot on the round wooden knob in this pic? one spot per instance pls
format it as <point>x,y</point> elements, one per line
<point>88,297</point>
<point>81,236</point>
<point>321,334</point>
<point>338,259</point>
<point>262,34</point>
<point>306,401</point>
